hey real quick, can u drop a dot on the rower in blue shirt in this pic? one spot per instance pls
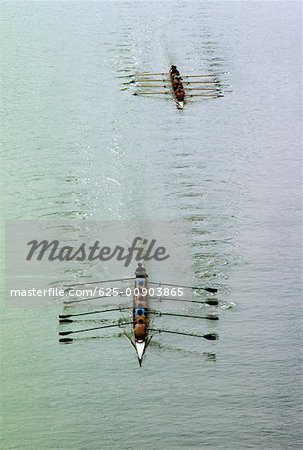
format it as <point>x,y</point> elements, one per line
<point>139,312</point>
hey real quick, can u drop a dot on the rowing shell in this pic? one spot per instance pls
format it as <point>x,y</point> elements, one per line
<point>179,103</point>
<point>140,312</point>
<point>140,338</point>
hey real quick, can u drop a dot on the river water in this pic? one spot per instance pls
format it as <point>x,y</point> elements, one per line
<point>78,147</point>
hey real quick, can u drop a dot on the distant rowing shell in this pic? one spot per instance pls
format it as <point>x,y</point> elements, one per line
<point>179,103</point>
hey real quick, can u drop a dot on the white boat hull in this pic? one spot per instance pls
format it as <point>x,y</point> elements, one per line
<point>140,348</point>
<point>180,105</point>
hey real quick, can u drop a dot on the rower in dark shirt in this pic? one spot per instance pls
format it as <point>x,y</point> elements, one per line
<point>174,71</point>
<point>180,94</point>
<point>176,83</point>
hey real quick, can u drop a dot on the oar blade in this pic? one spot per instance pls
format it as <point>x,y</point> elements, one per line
<point>66,340</point>
<point>212,290</point>
<point>211,302</point>
<point>209,317</point>
<point>211,336</point>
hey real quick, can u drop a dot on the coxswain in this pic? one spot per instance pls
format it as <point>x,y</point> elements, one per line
<point>180,94</point>
<point>140,271</point>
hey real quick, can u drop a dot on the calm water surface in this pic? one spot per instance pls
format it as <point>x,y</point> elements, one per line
<point>76,147</point>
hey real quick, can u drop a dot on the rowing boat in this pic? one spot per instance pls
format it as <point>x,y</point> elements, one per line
<point>142,333</point>
<point>140,312</point>
<point>208,83</point>
<point>179,103</point>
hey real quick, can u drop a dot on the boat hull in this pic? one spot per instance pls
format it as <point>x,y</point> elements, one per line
<point>180,104</point>
<point>140,349</point>
<point>140,312</point>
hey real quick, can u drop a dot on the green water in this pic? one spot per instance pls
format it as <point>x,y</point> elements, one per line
<point>76,147</point>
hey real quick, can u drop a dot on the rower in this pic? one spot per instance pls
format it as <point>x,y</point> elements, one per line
<point>180,94</point>
<point>139,312</point>
<point>176,83</point>
<point>139,315</point>
<point>140,329</point>
<point>140,319</point>
<point>174,71</point>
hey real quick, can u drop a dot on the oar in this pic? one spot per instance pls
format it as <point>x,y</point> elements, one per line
<point>64,321</point>
<point>99,282</point>
<point>155,313</point>
<point>160,313</point>
<point>209,302</point>
<point>208,289</point>
<point>209,337</point>
<point>66,316</point>
<point>165,81</point>
<point>144,74</point>
<point>66,333</point>
<point>80,300</point>
<point>169,87</point>
<point>188,95</point>
<point>204,95</point>
<point>153,93</point>
<point>205,75</point>
<point>87,338</point>
<point>212,89</point>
